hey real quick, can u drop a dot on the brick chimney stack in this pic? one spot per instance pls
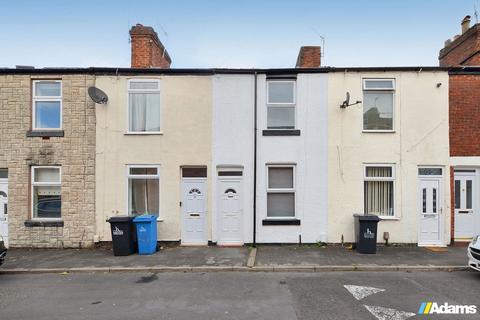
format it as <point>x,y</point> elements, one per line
<point>463,49</point>
<point>309,57</point>
<point>147,50</point>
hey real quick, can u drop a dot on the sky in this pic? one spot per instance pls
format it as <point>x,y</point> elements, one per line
<point>230,33</point>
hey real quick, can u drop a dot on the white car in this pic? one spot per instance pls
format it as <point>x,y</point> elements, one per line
<point>474,253</point>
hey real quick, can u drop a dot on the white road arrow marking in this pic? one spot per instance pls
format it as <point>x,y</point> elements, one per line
<point>360,292</point>
<point>382,313</point>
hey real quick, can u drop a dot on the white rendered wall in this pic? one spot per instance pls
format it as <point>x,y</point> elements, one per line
<point>420,139</point>
<point>307,151</point>
<point>232,144</point>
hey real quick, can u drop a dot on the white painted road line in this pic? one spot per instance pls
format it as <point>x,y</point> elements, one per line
<point>360,292</point>
<point>382,313</point>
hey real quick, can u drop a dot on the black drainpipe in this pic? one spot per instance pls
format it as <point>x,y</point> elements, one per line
<point>255,162</point>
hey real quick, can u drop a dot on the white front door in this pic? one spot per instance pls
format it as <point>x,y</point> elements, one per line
<point>231,211</point>
<point>194,213</point>
<point>430,208</point>
<point>4,211</point>
<point>467,218</point>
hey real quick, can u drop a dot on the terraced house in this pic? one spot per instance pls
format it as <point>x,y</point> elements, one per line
<point>225,156</point>
<point>47,158</point>
<point>462,54</point>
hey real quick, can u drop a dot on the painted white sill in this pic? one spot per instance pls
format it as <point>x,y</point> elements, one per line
<point>389,218</point>
<point>143,133</point>
<point>159,219</point>
<point>378,131</point>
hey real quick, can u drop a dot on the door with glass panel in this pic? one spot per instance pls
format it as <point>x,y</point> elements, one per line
<point>230,208</point>
<point>466,213</point>
<point>430,207</point>
<point>194,206</point>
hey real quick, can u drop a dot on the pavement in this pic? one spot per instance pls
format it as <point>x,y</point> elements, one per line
<point>236,295</point>
<point>282,258</point>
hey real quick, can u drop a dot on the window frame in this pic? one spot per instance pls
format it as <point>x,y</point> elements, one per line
<point>281,104</point>
<point>129,90</point>
<point>36,98</point>
<point>143,176</point>
<point>282,190</point>
<point>34,184</point>
<point>393,90</point>
<point>392,179</point>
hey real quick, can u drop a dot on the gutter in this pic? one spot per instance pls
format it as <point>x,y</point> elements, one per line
<point>211,71</point>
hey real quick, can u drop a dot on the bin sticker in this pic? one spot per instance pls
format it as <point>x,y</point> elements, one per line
<point>117,232</point>
<point>142,229</point>
<point>369,234</point>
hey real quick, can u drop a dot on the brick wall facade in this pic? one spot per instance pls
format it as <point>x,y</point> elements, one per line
<point>464,115</point>
<point>309,57</point>
<point>147,50</point>
<point>75,153</point>
<point>463,51</point>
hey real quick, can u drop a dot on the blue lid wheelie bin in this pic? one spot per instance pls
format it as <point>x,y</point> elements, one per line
<point>146,226</point>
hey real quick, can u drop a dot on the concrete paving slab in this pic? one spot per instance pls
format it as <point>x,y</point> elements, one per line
<point>94,258</point>
<point>337,256</point>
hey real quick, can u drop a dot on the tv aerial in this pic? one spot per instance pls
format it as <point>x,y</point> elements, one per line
<point>347,103</point>
<point>97,95</point>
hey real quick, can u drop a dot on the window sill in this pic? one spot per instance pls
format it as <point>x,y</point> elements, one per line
<point>158,133</point>
<point>378,131</point>
<point>43,223</point>
<point>45,133</point>
<point>281,132</point>
<point>281,222</point>
<point>389,218</point>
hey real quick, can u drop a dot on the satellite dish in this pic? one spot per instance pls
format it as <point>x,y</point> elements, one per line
<point>97,95</point>
<point>346,103</point>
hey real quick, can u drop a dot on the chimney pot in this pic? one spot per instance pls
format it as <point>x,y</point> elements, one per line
<point>465,24</point>
<point>309,57</point>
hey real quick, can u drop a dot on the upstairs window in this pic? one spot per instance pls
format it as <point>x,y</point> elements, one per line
<point>47,105</point>
<point>280,104</point>
<point>144,106</point>
<point>378,97</point>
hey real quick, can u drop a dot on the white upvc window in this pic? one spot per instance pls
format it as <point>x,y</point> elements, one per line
<point>47,105</point>
<point>144,106</point>
<point>379,189</point>
<point>143,183</point>
<point>46,192</point>
<point>280,191</point>
<point>378,105</point>
<point>281,100</point>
